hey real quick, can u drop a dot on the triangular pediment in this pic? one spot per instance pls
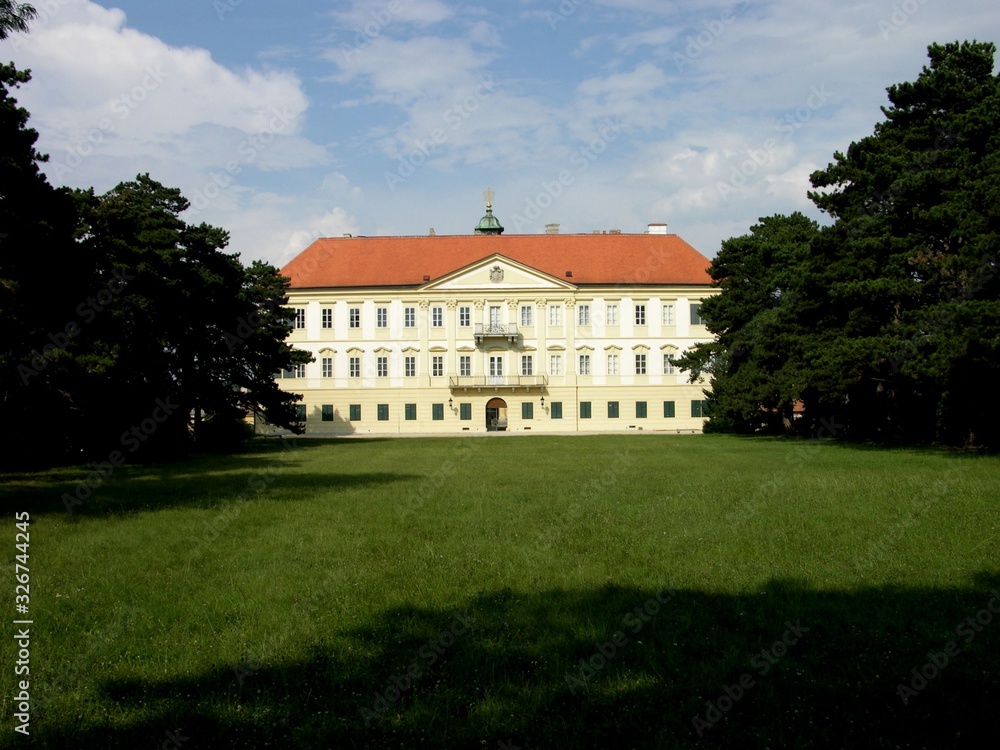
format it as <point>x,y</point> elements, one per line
<point>497,273</point>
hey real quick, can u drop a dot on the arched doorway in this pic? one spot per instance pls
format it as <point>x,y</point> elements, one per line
<point>496,415</point>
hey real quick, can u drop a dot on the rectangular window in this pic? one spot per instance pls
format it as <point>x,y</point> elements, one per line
<point>299,320</point>
<point>527,410</point>
<point>612,410</point>
<point>437,365</point>
<point>382,367</point>
<point>327,364</point>
<point>555,410</point>
<point>584,364</point>
<point>668,364</point>
<point>696,315</point>
<point>383,412</point>
<point>355,412</point>
<point>327,412</point>
<point>437,412</point>
<point>527,364</point>
<point>328,317</point>
<point>583,315</point>
<point>465,316</point>
<point>640,409</point>
<point>355,367</point>
<point>611,315</point>
<point>668,315</point>
<point>640,364</point>
<point>640,315</point>
<point>465,412</point>
<point>354,315</point>
<point>300,413</point>
<point>668,409</point>
<point>555,315</point>
<point>381,317</point>
<point>409,317</point>
<point>437,317</point>
<point>410,367</point>
<point>555,364</point>
<point>410,412</point>
<point>495,321</point>
<point>465,365</point>
<point>298,371</point>
<point>612,364</point>
<point>526,315</point>
<point>584,410</point>
<point>698,409</point>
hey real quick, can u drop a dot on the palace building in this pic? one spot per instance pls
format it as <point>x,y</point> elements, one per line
<point>455,334</point>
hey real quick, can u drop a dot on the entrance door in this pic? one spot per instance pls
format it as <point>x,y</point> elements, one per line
<point>496,369</point>
<point>496,415</point>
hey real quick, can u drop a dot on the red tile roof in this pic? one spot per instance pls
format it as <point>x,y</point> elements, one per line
<point>405,261</point>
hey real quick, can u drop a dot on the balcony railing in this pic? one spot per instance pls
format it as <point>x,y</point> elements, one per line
<point>496,330</point>
<point>498,381</point>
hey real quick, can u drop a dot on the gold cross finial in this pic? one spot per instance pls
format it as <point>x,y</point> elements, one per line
<point>488,195</point>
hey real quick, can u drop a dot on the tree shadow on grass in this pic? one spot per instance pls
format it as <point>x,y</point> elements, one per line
<point>786,666</point>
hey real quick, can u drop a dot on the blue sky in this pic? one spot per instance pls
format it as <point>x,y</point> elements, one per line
<point>282,122</point>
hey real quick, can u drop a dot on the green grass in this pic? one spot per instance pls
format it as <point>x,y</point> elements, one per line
<point>267,599</point>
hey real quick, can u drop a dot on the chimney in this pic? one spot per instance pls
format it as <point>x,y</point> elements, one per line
<point>551,229</point>
<point>432,233</point>
<point>657,228</point>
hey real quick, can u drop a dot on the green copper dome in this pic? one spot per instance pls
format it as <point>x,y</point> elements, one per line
<point>489,224</point>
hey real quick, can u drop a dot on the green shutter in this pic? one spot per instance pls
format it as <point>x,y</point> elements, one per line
<point>355,412</point>
<point>465,411</point>
<point>584,410</point>
<point>612,410</point>
<point>327,412</point>
<point>437,412</point>
<point>640,409</point>
<point>668,409</point>
<point>527,410</point>
<point>411,412</point>
<point>556,409</point>
<point>383,412</point>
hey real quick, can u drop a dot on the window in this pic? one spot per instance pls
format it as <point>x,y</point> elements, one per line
<point>381,317</point>
<point>668,315</point>
<point>355,367</point>
<point>612,410</point>
<point>327,365</point>
<point>583,315</point>
<point>495,321</point>
<point>612,364</point>
<point>437,317</point>
<point>698,409</point>
<point>527,410</point>
<point>668,364</point>
<point>526,318</point>
<point>640,364</point>
<point>409,317</point>
<point>355,411</point>
<point>382,367</point>
<point>555,409</point>
<point>354,314</point>
<point>640,315</point>
<point>668,409</point>
<point>465,316</point>
<point>327,412</point>
<point>410,366</point>
<point>299,319</point>
<point>437,365</point>
<point>584,410</point>
<point>383,412</point>
<point>465,365</point>
<point>555,364</point>
<point>437,412</point>
<point>465,412</point>
<point>696,314</point>
<point>295,371</point>
<point>611,315</point>
<point>527,364</point>
<point>300,412</point>
<point>555,315</point>
<point>410,412</point>
<point>328,317</point>
<point>584,368</point>
<point>640,409</point>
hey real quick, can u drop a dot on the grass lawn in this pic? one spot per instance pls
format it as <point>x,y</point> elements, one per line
<point>630,591</point>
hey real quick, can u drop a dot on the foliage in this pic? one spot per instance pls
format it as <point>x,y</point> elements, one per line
<point>14,16</point>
